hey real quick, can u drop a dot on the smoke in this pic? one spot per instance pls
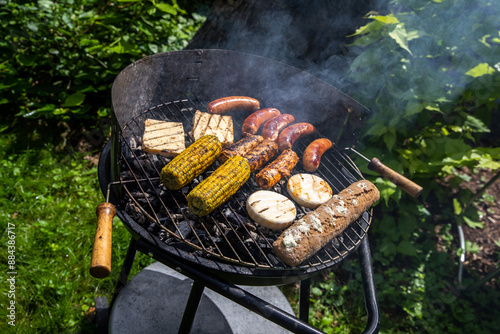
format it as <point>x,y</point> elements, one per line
<point>435,43</point>
<point>307,35</point>
<point>434,53</point>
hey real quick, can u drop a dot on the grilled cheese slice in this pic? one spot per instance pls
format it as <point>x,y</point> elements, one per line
<point>270,209</point>
<point>309,190</point>
<point>163,138</point>
<point>213,124</point>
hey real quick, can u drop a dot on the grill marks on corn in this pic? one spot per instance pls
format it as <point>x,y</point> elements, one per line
<point>191,162</point>
<point>223,183</point>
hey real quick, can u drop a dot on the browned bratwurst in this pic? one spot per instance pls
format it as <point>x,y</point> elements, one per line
<point>242,146</point>
<point>265,151</point>
<point>281,167</point>
<point>253,122</point>
<point>313,152</point>
<point>290,134</point>
<point>230,103</point>
<point>272,127</point>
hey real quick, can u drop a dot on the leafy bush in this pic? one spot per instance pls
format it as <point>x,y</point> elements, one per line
<point>60,58</point>
<point>49,203</point>
<point>432,70</point>
<point>437,85</point>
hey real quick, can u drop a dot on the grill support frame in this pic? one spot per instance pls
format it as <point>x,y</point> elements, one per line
<point>240,296</point>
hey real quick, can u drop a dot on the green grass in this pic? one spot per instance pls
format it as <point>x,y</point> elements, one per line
<point>51,198</point>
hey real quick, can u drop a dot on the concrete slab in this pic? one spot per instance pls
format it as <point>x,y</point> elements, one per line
<point>154,300</point>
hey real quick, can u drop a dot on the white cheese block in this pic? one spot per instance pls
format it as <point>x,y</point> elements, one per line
<point>213,124</point>
<point>308,190</point>
<point>163,138</point>
<point>271,210</point>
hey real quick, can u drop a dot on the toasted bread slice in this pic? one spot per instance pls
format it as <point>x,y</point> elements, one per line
<point>213,124</point>
<point>163,138</point>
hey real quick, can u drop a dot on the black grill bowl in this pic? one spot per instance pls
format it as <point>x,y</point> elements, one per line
<point>204,75</point>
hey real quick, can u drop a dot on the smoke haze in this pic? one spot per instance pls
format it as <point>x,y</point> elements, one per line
<point>449,38</point>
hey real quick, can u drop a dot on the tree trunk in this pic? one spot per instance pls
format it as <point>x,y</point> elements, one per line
<point>309,35</point>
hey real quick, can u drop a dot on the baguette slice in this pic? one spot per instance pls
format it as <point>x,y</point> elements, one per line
<point>163,138</point>
<point>271,210</point>
<point>317,228</point>
<point>213,124</point>
<point>308,190</point>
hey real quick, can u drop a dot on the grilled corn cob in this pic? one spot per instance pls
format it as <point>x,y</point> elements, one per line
<point>218,187</point>
<point>191,162</point>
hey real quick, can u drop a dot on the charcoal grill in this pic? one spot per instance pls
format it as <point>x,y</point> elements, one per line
<point>226,247</point>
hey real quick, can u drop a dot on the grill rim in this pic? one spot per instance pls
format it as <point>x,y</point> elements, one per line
<point>216,264</point>
<point>166,76</point>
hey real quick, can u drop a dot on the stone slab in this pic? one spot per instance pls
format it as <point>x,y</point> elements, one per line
<point>154,301</point>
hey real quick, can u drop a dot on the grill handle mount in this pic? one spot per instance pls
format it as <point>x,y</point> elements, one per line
<point>402,182</point>
<point>100,266</point>
<point>399,180</point>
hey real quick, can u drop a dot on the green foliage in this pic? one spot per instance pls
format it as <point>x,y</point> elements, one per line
<point>59,59</point>
<point>58,62</point>
<point>336,306</point>
<point>436,89</point>
<point>429,71</point>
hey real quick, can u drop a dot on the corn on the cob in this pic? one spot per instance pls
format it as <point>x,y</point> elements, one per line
<point>191,162</point>
<point>218,187</point>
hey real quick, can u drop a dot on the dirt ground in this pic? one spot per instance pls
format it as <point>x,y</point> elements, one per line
<point>487,258</point>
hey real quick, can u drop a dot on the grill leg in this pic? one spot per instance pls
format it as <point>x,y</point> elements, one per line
<point>304,293</point>
<point>371,303</point>
<point>126,268</point>
<point>191,307</point>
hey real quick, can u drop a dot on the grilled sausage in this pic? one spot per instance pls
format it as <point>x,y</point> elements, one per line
<point>313,152</point>
<point>290,134</point>
<point>240,147</point>
<point>232,103</point>
<point>261,154</point>
<point>280,167</point>
<point>272,127</point>
<point>253,122</point>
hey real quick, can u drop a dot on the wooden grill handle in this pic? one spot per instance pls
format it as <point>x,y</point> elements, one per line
<point>100,266</point>
<point>399,180</point>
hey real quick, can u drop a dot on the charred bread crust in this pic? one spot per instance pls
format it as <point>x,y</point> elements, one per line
<point>306,236</point>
